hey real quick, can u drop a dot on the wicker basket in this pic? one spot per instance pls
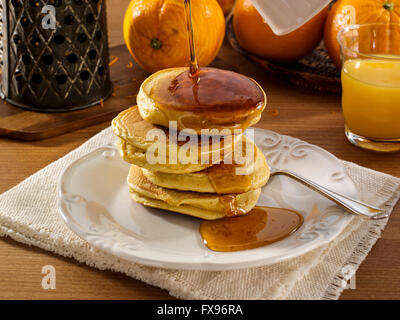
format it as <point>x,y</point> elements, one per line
<point>316,71</point>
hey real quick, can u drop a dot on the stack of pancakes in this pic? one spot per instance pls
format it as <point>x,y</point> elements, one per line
<point>211,189</point>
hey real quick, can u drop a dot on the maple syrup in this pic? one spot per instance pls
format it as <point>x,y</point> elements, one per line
<point>194,67</point>
<point>230,205</point>
<point>220,96</point>
<point>224,179</point>
<point>235,176</point>
<point>259,227</point>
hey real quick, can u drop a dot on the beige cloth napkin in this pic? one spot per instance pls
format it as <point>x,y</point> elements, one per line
<point>29,214</point>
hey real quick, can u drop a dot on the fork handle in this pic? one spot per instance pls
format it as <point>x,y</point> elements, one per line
<point>351,205</point>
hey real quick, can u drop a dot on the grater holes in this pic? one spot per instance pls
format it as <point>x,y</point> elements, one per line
<point>16,3</point>
<point>55,3</point>
<point>47,59</point>
<point>18,76</point>
<point>101,70</point>
<point>69,20</point>
<point>84,76</point>
<point>72,58</point>
<point>92,54</point>
<point>98,35</point>
<point>26,59</point>
<point>34,3</point>
<point>17,39</point>
<point>82,37</point>
<point>45,66</point>
<point>37,78</point>
<point>24,21</point>
<point>61,79</point>
<point>59,39</point>
<point>35,42</point>
<point>90,18</point>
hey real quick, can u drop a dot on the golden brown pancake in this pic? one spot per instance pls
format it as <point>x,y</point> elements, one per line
<point>220,100</point>
<point>202,205</point>
<point>138,138</point>
<point>220,178</point>
<point>138,157</point>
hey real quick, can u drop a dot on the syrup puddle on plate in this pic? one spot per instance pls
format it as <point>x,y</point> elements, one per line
<point>259,227</point>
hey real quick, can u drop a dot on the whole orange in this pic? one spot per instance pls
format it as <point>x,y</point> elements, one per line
<point>226,5</point>
<point>348,12</point>
<point>255,36</point>
<point>156,36</point>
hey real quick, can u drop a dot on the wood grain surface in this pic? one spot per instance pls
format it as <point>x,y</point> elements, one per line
<point>313,117</point>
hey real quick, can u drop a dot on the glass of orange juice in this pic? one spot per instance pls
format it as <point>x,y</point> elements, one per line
<point>371,85</point>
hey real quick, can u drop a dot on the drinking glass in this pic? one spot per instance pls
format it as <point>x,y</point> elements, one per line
<point>371,85</point>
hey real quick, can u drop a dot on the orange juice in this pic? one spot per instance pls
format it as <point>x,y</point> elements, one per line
<point>371,97</point>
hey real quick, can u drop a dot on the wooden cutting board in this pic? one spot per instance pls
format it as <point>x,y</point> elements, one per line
<point>127,77</point>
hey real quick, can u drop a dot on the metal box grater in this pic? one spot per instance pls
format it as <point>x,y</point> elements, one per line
<point>54,70</point>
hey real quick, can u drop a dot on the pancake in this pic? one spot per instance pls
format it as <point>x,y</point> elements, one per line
<point>136,156</point>
<point>137,137</point>
<point>207,206</point>
<point>220,178</point>
<point>130,126</point>
<point>221,100</point>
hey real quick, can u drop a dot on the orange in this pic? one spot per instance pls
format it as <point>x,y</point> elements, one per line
<point>349,12</point>
<point>255,36</point>
<point>226,5</point>
<point>156,36</point>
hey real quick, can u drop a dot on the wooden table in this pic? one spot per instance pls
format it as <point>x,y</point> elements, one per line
<point>313,117</point>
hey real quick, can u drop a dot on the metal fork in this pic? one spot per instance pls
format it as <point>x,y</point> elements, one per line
<point>349,204</point>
